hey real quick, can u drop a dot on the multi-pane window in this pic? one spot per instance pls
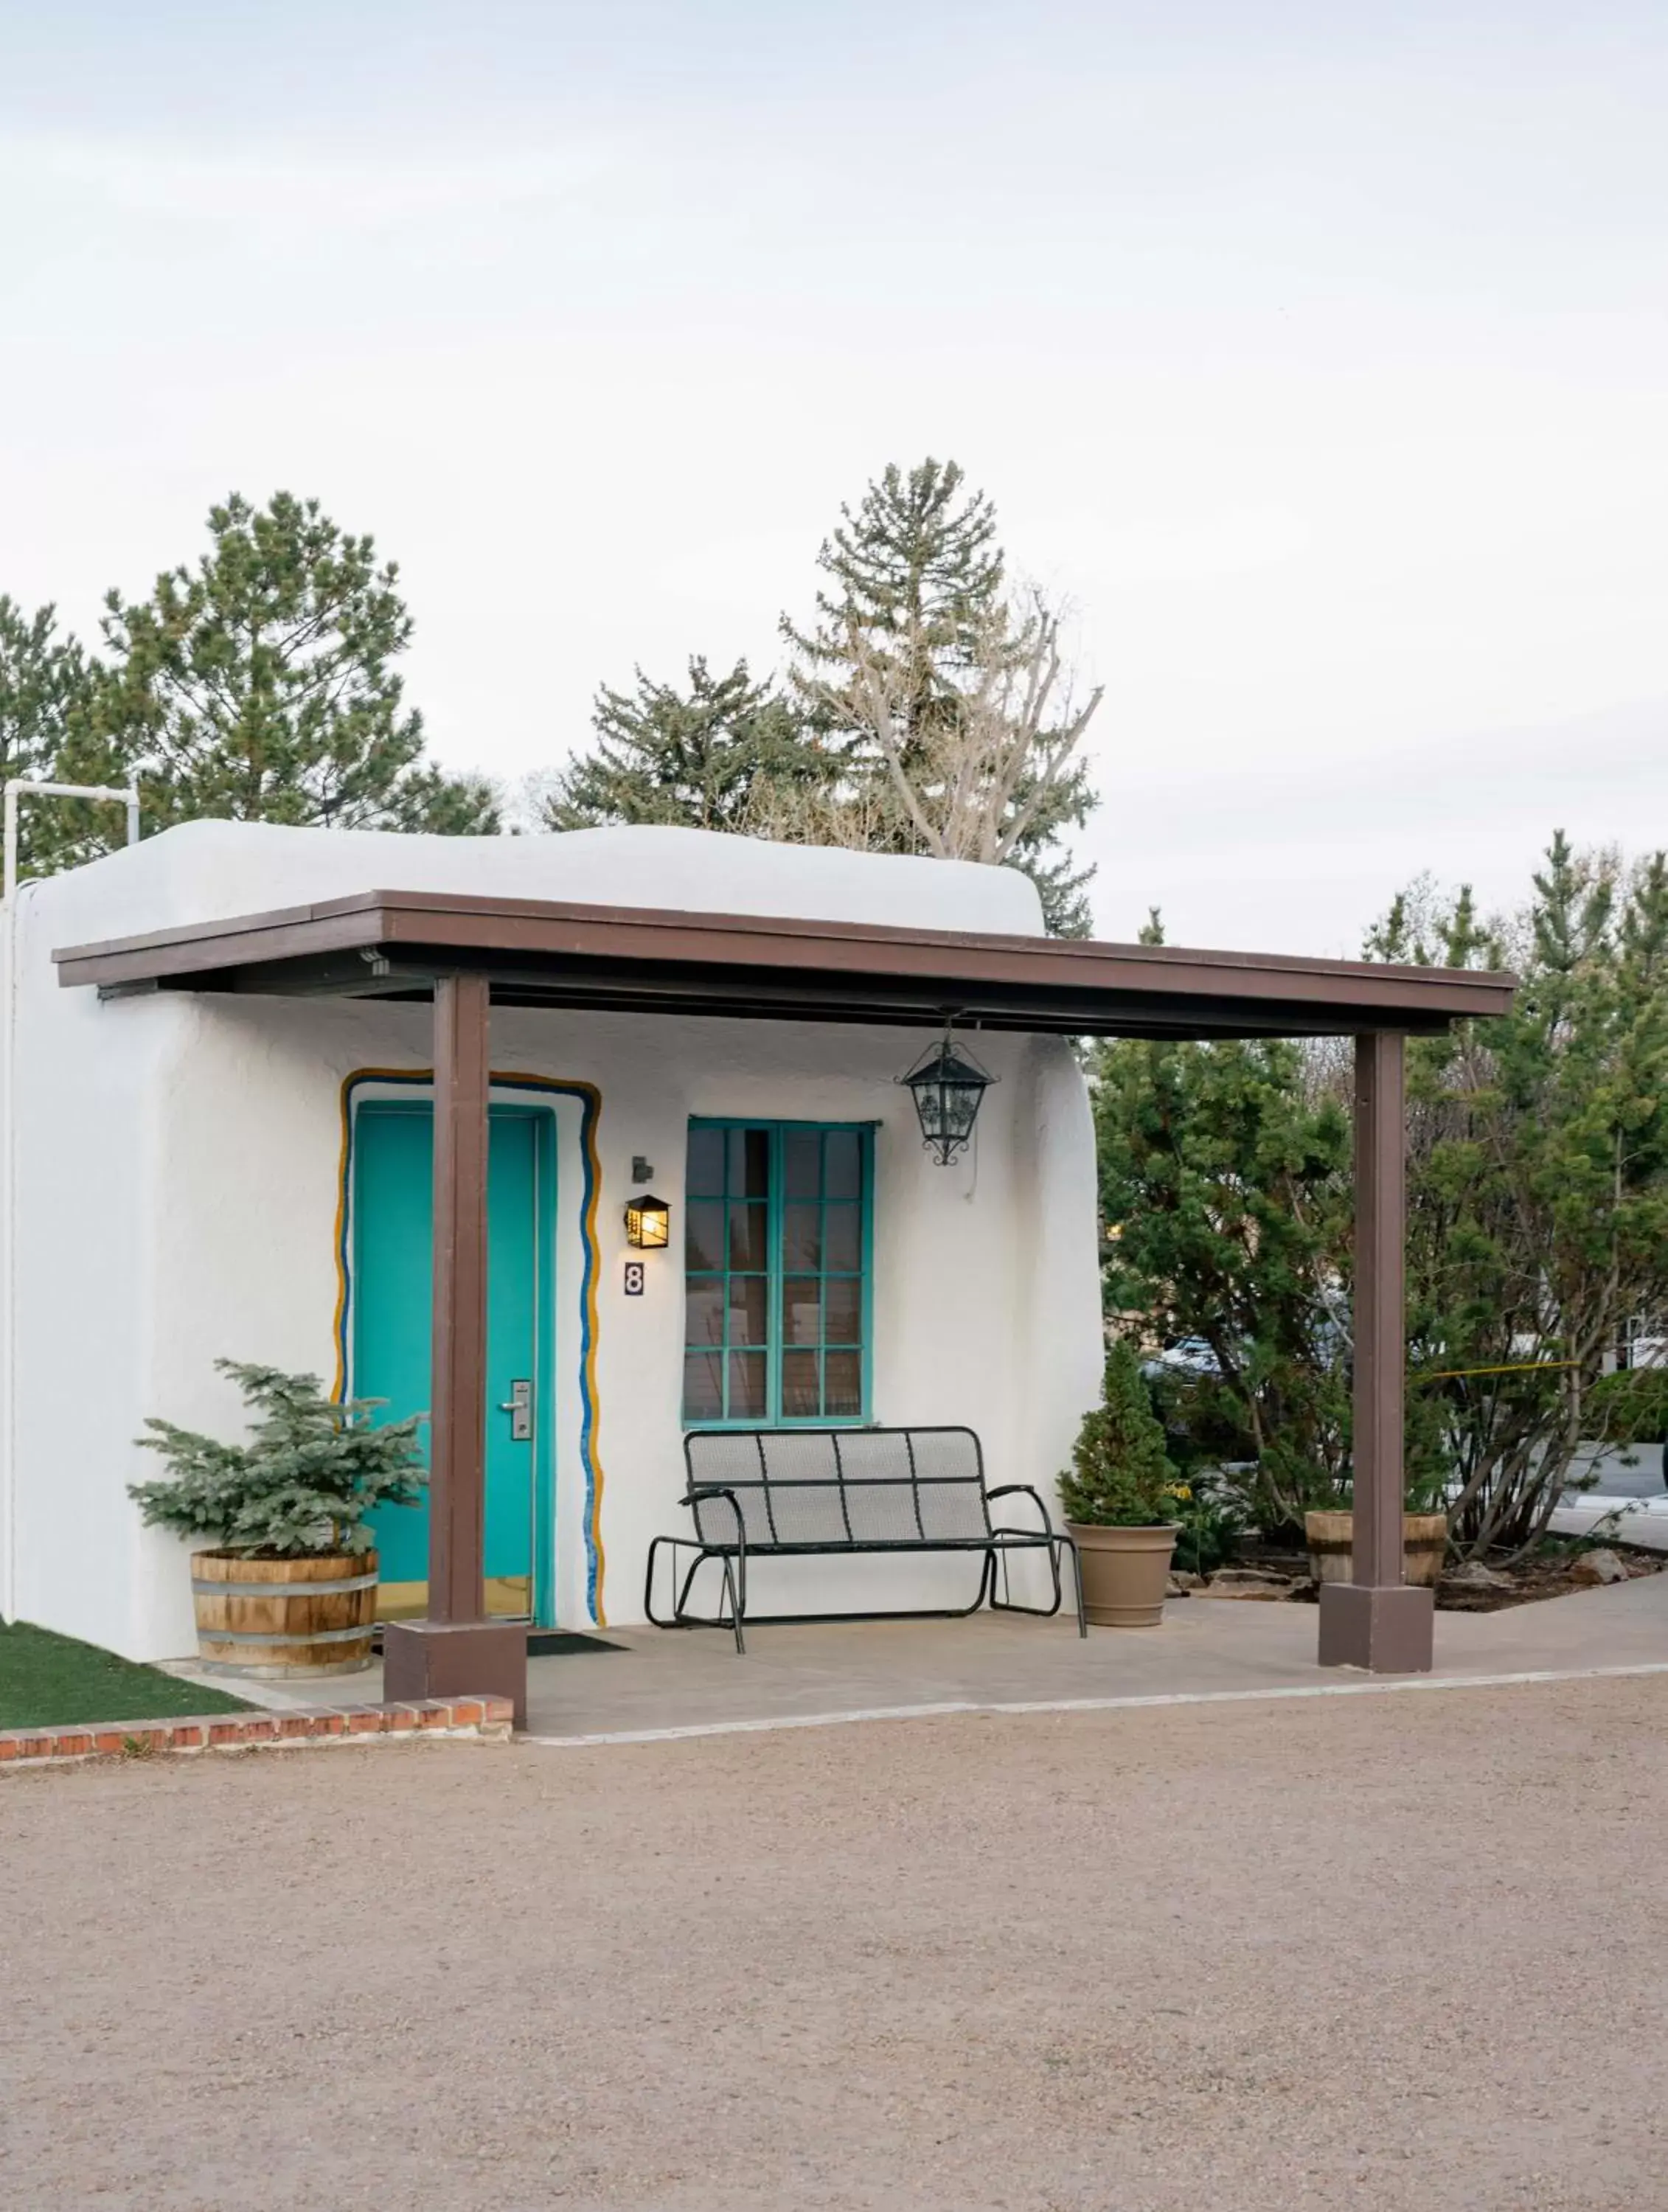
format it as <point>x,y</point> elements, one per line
<point>777,1237</point>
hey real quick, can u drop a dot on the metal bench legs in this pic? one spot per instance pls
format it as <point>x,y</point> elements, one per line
<point>1057,1544</point>
<point>733,1587</point>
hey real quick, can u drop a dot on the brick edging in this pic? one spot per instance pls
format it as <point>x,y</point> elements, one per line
<point>486,1719</point>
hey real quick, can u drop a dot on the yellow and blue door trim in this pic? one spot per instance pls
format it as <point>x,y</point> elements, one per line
<point>590,1102</point>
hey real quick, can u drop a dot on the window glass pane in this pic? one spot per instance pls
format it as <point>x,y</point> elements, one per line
<point>801,1309</point>
<point>704,1235</point>
<point>842,1227</point>
<point>704,1177</point>
<point>750,1309</point>
<point>703,1372</point>
<point>704,1310</point>
<point>749,1242</point>
<point>843,1309</point>
<point>842,1164</point>
<point>801,1238</point>
<point>800,1399</point>
<point>747,1385</point>
<point>750,1163</point>
<point>843,1382</point>
<point>801,1163</point>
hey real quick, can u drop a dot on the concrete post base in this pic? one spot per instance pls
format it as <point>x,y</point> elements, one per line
<point>1388,1631</point>
<point>453,1658</point>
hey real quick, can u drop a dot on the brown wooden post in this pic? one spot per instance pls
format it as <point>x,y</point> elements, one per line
<point>1375,1620</point>
<point>457,1650</point>
<point>457,1479</point>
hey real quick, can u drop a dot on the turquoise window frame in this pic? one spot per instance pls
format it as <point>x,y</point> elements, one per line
<point>778,1133</point>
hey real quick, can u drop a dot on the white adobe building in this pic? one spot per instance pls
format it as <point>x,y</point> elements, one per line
<point>200,1173</point>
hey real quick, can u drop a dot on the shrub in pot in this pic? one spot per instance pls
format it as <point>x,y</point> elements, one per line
<point>1119,1495</point>
<point>288,1586</point>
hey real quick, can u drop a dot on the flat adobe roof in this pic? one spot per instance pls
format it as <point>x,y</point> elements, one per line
<point>538,953</point>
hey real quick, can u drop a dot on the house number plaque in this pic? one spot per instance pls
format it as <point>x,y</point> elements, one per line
<point>634,1279</point>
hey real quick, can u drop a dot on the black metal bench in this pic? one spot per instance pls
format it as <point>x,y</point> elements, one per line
<point>796,1493</point>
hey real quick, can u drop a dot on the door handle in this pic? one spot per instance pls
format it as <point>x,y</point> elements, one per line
<point>519,1407</point>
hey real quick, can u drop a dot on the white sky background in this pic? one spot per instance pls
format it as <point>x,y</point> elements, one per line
<point>1318,354</point>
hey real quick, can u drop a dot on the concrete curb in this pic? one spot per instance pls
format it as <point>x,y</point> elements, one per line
<point>1371,1688</point>
<point>484,1719</point>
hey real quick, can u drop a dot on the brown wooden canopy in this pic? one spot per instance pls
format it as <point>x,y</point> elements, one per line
<point>467,954</point>
<point>537,953</point>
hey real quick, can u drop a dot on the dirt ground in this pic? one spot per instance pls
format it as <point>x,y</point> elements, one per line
<point>1407,1951</point>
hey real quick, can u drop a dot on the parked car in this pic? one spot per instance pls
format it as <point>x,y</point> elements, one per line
<point>1188,1355</point>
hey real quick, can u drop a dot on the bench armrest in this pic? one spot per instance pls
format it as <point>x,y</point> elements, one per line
<point>1023,1490</point>
<point>699,1493</point>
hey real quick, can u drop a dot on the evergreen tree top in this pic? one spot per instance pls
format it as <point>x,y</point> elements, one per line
<point>260,685</point>
<point>695,756</point>
<point>918,554</point>
<point>47,689</point>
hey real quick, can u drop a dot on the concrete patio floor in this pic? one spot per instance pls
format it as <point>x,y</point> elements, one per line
<point>653,1680</point>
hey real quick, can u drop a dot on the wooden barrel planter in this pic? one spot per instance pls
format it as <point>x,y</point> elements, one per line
<point>276,1618</point>
<point>1332,1547</point>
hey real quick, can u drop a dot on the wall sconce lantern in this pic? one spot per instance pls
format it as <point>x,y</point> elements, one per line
<point>949,1086</point>
<point>648,1223</point>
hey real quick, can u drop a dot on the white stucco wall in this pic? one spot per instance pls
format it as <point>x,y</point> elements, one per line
<point>178,1170</point>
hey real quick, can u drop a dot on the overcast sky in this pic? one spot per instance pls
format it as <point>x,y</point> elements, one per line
<point>1318,354</point>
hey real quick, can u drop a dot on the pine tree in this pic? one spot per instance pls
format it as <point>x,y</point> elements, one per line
<point>48,688</point>
<point>695,757</point>
<point>916,606</point>
<point>918,566</point>
<point>260,686</point>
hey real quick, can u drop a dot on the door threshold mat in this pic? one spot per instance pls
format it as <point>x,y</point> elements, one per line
<point>544,1643</point>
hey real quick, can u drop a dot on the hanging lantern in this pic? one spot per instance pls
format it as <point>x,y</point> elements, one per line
<point>948,1084</point>
<point>648,1223</point>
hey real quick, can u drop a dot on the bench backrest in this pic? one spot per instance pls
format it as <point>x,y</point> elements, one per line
<point>839,1488</point>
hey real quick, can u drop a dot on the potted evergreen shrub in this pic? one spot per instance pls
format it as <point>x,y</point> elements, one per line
<point>1119,1495</point>
<point>289,1587</point>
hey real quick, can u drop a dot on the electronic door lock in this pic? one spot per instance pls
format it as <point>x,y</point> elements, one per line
<point>519,1407</point>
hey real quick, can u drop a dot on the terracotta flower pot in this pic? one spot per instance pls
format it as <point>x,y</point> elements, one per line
<point>1124,1572</point>
<point>274,1618</point>
<point>1332,1543</point>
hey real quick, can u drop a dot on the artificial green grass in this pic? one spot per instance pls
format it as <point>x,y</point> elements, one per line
<point>50,1682</point>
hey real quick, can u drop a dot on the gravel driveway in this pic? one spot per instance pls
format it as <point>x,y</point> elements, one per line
<point>1404,1951</point>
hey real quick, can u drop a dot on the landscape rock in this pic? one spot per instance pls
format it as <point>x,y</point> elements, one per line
<point>1471,1574</point>
<point>1600,1566</point>
<point>1255,1583</point>
<point>1182,1583</point>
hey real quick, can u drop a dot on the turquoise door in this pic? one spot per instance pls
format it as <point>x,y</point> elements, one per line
<point>390,1309</point>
